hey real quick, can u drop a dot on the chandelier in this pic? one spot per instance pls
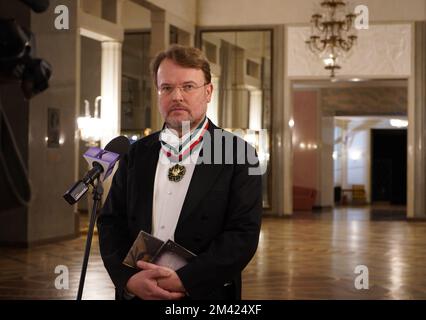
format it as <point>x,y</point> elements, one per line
<point>332,34</point>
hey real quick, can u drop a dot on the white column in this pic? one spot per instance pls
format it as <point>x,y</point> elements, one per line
<point>416,184</point>
<point>160,39</point>
<point>282,191</point>
<point>111,90</point>
<point>326,172</point>
<point>344,158</point>
<point>287,142</point>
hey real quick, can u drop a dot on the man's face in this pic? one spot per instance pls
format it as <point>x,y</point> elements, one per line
<point>175,104</point>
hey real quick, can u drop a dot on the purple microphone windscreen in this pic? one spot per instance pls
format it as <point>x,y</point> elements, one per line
<point>119,145</point>
<point>38,6</point>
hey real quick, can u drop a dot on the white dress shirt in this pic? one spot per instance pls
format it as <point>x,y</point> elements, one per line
<point>169,196</point>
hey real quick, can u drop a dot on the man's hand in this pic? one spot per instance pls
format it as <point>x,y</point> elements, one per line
<point>145,285</point>
<point>170,283</point>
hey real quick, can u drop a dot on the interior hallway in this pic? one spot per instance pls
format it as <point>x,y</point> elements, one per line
<point>308,256</point>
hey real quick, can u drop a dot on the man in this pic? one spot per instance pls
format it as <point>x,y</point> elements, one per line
<point>172,185</point>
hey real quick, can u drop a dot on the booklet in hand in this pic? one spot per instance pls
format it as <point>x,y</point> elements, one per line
<point>151,249</point>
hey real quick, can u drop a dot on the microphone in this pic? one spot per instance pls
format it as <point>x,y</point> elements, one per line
<point>38,6</point>
<point>102,162</point>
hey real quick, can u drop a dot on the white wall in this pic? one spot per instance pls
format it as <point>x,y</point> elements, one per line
<point>348,170</point>
<point>252,12</point>
<point>358,155</point>
<point>378,53</point>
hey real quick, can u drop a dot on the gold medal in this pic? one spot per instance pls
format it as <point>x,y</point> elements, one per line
<point>176,172</point>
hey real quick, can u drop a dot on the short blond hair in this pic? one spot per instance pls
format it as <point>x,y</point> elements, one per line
<point>187,57</point>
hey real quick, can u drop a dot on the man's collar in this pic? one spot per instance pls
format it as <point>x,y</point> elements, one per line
<point>167,131</point>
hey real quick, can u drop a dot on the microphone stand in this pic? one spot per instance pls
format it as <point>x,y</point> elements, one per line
<point>98,191</point>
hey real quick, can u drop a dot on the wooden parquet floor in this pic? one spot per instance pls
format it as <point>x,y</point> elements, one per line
<point>308,256</point>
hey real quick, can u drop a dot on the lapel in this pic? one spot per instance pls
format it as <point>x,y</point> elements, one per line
<point>147,178</point>
<point>202,180</point>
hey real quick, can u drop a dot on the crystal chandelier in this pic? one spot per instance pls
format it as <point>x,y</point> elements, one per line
<point>332,33</point>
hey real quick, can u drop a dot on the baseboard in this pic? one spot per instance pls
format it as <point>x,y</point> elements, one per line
<point>322,208</point>
<point>36,243</point>
<point>416,219</point>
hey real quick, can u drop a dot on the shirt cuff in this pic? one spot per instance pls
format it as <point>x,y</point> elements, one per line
<point>127,295</point>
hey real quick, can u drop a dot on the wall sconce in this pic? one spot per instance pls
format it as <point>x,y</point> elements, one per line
<point>90,127</point>
<point>398,123</point>
<point>308,146</point>
<point>355,154</point>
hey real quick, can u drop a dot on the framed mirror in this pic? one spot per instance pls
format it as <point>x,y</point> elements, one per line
<point>241,64</point>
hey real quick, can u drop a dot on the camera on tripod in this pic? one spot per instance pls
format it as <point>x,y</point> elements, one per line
<point>18,61</point>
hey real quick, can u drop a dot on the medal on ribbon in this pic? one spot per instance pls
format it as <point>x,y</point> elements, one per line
<point>176,172</point>
<point>176,155</point>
